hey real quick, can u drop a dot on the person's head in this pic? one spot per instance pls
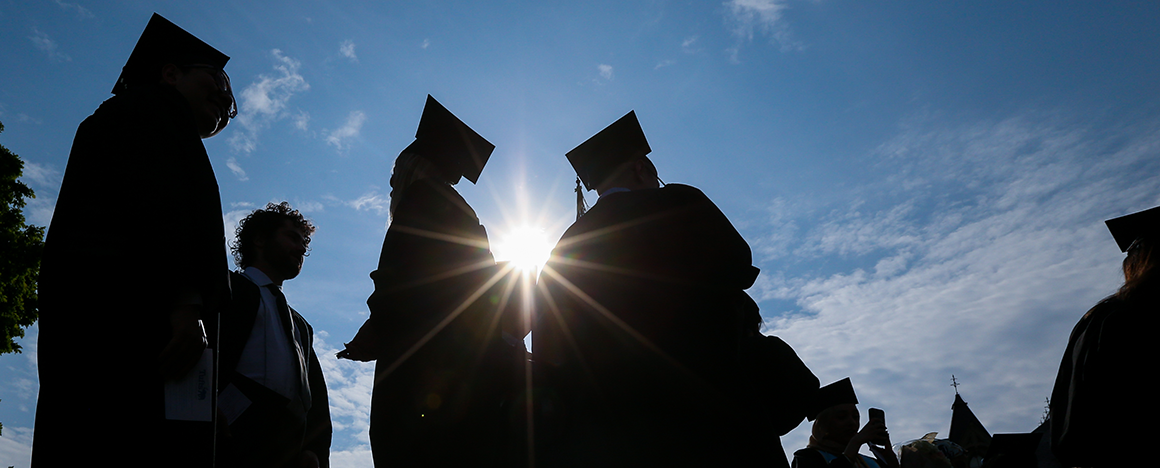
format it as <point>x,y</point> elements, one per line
<point>411,167</point>
<point>1137,235</point>
<point>275,240</point>
<point>637,174</point>
<point>207,90</point>
<point>616,156</point>
<point>1139,265</point>
<point>453,149</point>
<point>167,55</point>
<point>834,412</point>
<point>838,423</point>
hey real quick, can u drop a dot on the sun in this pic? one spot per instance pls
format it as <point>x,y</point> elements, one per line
<point>526,247</point>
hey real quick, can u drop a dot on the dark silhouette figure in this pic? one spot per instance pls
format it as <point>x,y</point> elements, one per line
<point>835,439</point>
<point>641,319</point>
<point>1102,393</point>
<point>1013,451</point>
<point>134,261</point>
<point>272,401</point>
<point>443,372</point>
<point>774,385</point>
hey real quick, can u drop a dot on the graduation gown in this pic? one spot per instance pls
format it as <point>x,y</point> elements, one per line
<point>1103,396</point>
<point>138,223</point>
<point>269,432</point>
<point>441,403</point>
<point>637,341</point>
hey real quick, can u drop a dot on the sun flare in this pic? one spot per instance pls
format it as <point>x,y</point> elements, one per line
<point>526,247</point>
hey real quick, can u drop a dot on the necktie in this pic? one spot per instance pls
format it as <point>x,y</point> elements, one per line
<point>288,327</point>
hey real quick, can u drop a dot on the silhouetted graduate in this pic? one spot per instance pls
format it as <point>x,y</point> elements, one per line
<point>135,258</point>
<point>641,309</point>
<point>835,438</point>
<point>1102,409</point>
<point>438,398</point>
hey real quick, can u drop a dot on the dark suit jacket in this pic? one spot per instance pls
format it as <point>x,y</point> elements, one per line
<point>138,222</point>
<point>268,433</point>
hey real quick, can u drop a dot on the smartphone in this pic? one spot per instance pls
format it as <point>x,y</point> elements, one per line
<point>880,415</point>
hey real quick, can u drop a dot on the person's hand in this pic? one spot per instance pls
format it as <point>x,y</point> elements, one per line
<point>358,348</point>
<point>307,459</point>
<point>873,432</point>
<point>185,347</point>
<point>355,352</point>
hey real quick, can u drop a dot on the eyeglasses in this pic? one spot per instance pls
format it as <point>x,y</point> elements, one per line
<point>222,80</point>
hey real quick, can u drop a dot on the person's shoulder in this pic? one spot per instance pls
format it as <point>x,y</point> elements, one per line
<point>304,323</point>
<point>807,452</point>
<point>427,197</point>
<point>106,116</point>
<point>240,282</point>
<point>1098,313</point>
<point>682,190</point>
<point>680,195</point>
<point>808,457</point>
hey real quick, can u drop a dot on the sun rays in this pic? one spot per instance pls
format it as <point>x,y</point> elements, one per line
<point>504,299</point>
<point>525,247</point>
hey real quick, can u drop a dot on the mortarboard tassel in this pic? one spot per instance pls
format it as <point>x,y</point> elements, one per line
<point>581,205</point>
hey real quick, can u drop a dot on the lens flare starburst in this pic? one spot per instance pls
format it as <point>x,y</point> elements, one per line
<point>526,247</point>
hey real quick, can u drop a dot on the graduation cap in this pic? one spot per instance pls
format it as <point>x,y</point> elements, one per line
<point>449,143</point>
<point>837,393</point>
<point>163,42</point>
<point>1128,229</point>
<point>597,158</point>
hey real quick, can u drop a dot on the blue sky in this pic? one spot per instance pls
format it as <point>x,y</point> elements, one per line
<point>923,183</point>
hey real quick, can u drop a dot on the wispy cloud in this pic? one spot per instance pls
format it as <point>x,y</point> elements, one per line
<point>349,385</point>
<point>20,117</point>
<point>48,46</point>
<point>689,45</point>
<point>41,176</point>
<point>264,101</point>
<point>19,389</point>
<point>347,50</point>
<point>309,206</point>
<point>975,255</point>
<point>605,71</point>
<point>425,44</point>
<point>749,17</point>
<point>45,182</point>
<point>81,11</point>
<point>664,63</point>
<point>240,173</point>
<point>301,120</point>
<point>371,201</point>
<point>341,136</point>
<point>16,445</point>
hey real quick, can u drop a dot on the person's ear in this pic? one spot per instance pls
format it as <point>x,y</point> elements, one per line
<point>641,172</point>
<point>170,74</point>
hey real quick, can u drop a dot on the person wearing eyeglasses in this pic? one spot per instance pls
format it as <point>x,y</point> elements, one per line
<point>134,268</point>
